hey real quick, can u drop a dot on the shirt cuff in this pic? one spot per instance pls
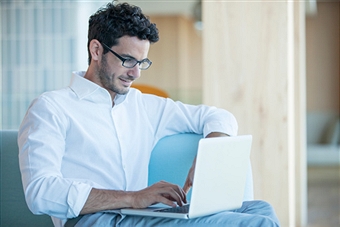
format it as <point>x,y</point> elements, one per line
<point>77,196</point>
<point>229,129</point>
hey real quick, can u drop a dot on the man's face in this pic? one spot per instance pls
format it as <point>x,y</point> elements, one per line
<point>113,76</point>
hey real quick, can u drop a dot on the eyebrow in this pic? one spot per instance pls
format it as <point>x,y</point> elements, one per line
<point>131,57</point>
<point>128,56</point>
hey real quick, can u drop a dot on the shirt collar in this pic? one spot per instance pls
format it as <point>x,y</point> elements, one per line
<point>83,87</point>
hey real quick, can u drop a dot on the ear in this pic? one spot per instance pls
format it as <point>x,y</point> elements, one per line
<point>96,50</point>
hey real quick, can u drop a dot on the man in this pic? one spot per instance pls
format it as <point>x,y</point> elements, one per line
<point>85,149</point>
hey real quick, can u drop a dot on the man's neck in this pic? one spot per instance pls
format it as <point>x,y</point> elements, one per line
<point>89,75</point>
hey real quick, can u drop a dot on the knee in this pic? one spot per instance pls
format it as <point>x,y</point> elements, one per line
<point>271,218</point>
<point>264,211</point>
<point>264,204</point>
<point>269,222</point>
<point>257,204</point>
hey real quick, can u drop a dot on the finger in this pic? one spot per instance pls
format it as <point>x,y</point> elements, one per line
<point>187,186</point>
<point>183,195</point>
<point>164,200</point>
<point>175,194</point>
<point>178,191</point>
<point>188,182</point>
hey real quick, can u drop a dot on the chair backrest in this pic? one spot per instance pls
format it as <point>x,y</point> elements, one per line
<point>172,158</point>
<point>148,89</point>
<point>14,211</point>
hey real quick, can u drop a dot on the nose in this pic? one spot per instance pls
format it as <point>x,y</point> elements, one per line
<point>135,72</point>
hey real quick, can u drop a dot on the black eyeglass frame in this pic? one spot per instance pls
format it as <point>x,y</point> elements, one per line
<point>125,59</point>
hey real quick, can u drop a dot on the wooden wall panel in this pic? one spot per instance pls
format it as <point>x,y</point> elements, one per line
<point>300,109</point>
<point>249,69</point>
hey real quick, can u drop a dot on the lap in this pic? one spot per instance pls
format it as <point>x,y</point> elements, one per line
<point>252,213</point>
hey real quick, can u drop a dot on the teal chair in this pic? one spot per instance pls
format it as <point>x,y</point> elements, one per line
<point>14,211</point>
<point>175,153</point>
<point>171,160</point>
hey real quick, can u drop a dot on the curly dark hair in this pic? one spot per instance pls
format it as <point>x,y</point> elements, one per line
<point>112,22</point>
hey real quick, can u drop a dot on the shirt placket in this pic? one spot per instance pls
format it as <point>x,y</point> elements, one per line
<point>119,134</point>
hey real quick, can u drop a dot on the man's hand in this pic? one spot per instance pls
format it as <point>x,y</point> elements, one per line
<point>190,178</point>
<point>161,192</point>
<point>189,181</point>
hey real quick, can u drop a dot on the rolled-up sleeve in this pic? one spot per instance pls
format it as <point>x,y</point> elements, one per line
<point>170,117</point>
<point>41,148</point>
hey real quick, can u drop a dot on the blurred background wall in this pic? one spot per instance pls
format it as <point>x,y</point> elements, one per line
<point>43,41</point>
<point>322,66</point>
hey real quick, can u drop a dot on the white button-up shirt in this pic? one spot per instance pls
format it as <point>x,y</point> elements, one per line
<point>72,140</point>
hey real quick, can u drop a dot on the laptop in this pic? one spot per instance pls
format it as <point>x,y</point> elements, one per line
<point>219,180</point>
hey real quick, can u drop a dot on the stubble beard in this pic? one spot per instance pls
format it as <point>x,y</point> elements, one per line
<point>108,80</point>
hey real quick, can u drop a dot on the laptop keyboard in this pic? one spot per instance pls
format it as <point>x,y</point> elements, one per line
<point>183,209</point>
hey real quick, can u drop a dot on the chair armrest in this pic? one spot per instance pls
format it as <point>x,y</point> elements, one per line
<point>14,210</point>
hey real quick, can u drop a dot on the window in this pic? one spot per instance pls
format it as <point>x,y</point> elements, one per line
<point>42,42</point>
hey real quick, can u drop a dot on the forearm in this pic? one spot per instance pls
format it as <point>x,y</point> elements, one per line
<point>160,192</point>
<point>100,199</point>
<point>216,134</point>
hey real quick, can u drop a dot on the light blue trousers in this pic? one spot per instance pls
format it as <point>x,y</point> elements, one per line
<point>251,214</point>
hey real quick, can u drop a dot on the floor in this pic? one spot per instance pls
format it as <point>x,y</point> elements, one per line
<point>323,196</point>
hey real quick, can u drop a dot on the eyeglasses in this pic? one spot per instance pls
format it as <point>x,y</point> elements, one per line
<point>130,62</point>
